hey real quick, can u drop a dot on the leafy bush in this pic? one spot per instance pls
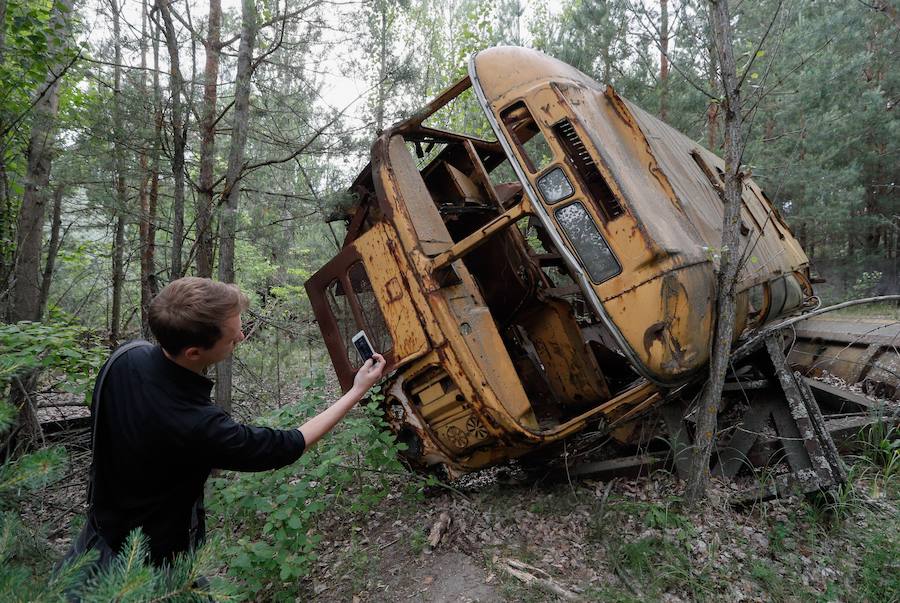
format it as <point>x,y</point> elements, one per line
<point>273,514</point>
<point>63,349</point>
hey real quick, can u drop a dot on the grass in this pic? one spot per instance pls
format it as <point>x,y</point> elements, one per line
<point>879,571</point>
<point>417,541</point>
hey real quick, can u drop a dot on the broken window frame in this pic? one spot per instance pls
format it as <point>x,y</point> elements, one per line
<point>515,124</point>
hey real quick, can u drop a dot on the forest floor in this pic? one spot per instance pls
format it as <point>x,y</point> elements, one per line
<point>628,541</point>
<point>507,537</point>
<point>624,540</point>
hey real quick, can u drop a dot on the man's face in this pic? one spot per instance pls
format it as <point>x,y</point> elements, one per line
<point>222,349</point>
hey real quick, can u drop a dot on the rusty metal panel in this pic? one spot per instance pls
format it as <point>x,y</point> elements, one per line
<point>573,374</point>
<point>857,350</point>
<point>387,270</point>
<point>430,231</point>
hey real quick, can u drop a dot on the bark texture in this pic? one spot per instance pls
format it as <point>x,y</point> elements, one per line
<point>176,87</point>
<point>118,250</point>
<point>52,247</point>
<point>149,192</point>
<point>26,291</point>
<point>30,225</point>
<point>208,142</point>
<point>729,254</point>
<point>228,225</point>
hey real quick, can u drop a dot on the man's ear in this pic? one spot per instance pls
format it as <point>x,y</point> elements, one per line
<point>192,353</point>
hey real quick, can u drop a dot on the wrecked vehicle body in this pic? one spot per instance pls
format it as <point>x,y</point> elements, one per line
<point>555,276</point>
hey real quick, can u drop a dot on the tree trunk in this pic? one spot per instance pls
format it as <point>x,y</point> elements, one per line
<point>663,59</point>
<point>176,86</point>
<point>118,273</point>
<point>208,142</point>
<point>730,255</point>
<point>26,292</point>
<point>232,191</point>
<point>6,208</point>
<point>381,89</point>
<point>149,286</point>
<point>144,224</point>
<point>7,232</point>
<point>29,232</point>
<point>3,5</point>
<point>712,109</point>
<point>52,247</point>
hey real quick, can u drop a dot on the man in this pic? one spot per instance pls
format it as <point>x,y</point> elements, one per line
<point>158,435</point>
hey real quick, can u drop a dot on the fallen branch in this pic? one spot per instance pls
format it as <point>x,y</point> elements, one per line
<point>535,576</point>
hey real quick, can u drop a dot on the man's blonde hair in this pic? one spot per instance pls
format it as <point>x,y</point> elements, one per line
<point>188,312</point>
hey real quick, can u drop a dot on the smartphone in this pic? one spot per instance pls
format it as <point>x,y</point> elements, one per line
<point>363,346</point>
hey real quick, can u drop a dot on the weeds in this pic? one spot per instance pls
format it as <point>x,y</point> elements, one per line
<point>276,512</point>
<point>881,447</point>
<point>417,540</point>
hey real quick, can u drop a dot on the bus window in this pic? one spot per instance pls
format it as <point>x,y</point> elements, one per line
<point>587,241</point>
<point>375,327</point>
<point>339,304</point>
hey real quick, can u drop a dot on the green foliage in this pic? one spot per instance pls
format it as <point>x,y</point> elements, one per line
<point>25,576</point>
<point>879,570</point>
<point>19,580</point>
<point>664,517</point>
<point>417,540</point>
<point>30,472</point>
<point>277,510</point>
<point>654,563</point>
<point>881,446</point>
<point>130,577</point>
<point>70,350</point>
<point>865,285</point>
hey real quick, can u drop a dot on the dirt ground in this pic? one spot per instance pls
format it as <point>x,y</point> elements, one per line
<point>511,538</point>
<point>625,541</point>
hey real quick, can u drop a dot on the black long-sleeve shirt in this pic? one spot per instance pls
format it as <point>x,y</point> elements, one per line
<point>158,437</point>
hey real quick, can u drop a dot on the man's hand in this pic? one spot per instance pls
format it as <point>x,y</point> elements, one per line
<point>369,373</point>
<point>322,423</point>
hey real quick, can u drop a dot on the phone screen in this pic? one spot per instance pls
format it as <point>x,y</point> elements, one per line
<point>363,347</point>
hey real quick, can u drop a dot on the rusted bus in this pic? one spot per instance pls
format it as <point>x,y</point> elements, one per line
<point>575,290</point>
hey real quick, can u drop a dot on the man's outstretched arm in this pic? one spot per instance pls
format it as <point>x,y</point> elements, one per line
<point>322,423</point>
